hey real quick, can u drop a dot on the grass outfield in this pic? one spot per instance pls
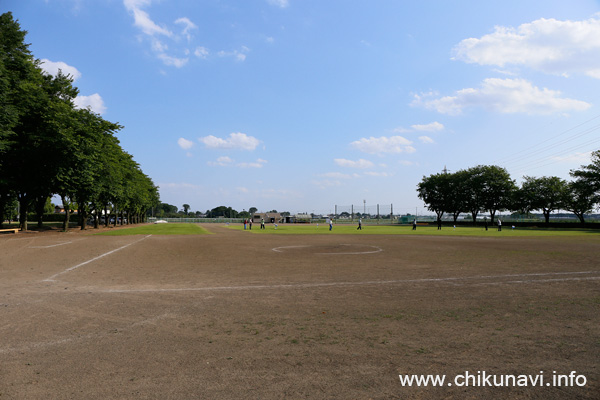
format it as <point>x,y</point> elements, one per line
<point>312,229</point>
<point>159,229</point>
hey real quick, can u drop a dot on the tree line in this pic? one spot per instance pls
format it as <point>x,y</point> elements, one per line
<point>164,210</point>
<point>49,147</point>
<point>489,189</point>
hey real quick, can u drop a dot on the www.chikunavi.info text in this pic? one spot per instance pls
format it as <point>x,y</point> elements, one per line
<point>483,379</point>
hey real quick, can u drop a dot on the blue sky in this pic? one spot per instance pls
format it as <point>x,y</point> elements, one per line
<point>301,105</point>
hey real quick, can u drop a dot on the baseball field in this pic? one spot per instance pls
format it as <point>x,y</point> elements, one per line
<point>216,312</point>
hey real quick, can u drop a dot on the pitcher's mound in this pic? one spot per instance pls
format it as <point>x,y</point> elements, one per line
<point>329,249</point>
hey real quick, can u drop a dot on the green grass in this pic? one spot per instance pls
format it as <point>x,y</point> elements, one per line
<point>159,229</point>
<point>343,229</point>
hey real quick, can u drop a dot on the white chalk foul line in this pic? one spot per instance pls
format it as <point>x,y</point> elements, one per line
<point>46,247</point>
<point>450,280</point>
<point>50,279</point>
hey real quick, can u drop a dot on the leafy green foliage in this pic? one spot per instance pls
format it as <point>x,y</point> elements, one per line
<point>491,189</point>
<point>48,147</point>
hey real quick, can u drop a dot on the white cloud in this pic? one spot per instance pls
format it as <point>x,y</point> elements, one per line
<point>185,144</point>
<point>52,68</point>
<point>238,55</point>
<point>380,145</point>
<point>401,130</point>
<point>361,163</point>
<point>426,139</point>
<point>93,103</point>
<point>579,158</point>
<point>142,19</point>
<point>547,45</point>
<point>223,161</point>
<point>173,61</point>
<point>159,46</point>
<point>201,52</point>
<point>379,174</point>
<point>504,96</point>
<point>257,164</point>
<point>239,141</point>
<point>162,38</point>
<point>279,3</point>
<point>431,127</point>
<point>154,32</point>
<point>187,27</point>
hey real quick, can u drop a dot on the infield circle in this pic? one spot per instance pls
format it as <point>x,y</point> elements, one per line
<point>329,249</point>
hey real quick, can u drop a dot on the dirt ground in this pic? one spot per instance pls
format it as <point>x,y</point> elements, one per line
<point>235,315</point>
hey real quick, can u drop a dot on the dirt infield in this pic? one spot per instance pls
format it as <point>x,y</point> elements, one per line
<point>236,315</point>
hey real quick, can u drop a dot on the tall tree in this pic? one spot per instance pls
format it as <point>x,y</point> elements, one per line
<point>590,174</point>
<point>456,202</point>
<point>580,199</point>
<point>49,147</point>
<point>546,194</point>
<point>496,190</point>
<point>435,191</point>
<point>21,101</point>
<point>472,182</point>
<point>8,119</point>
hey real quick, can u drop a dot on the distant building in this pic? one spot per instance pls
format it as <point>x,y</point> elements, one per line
<point>61,210</point>
<point>270,218</point>
<point>302,217</point>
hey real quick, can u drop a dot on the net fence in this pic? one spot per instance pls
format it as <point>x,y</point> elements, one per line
<point>364,211</point>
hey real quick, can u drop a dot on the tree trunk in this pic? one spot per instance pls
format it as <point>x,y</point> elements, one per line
<point>24,205</point>
<point>82,215</point>
<point>82,219</point>
<point>67,214</point>
<point>580,216</point>
<point>455,216</point>
<point>40,203</point>
<point>94,210</point>
<point>2,207</point>
<point>492,215</point>
<point>547,216</point>
<point>474,215</point>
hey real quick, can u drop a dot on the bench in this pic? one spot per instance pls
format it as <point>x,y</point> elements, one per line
<point>13,230</point>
